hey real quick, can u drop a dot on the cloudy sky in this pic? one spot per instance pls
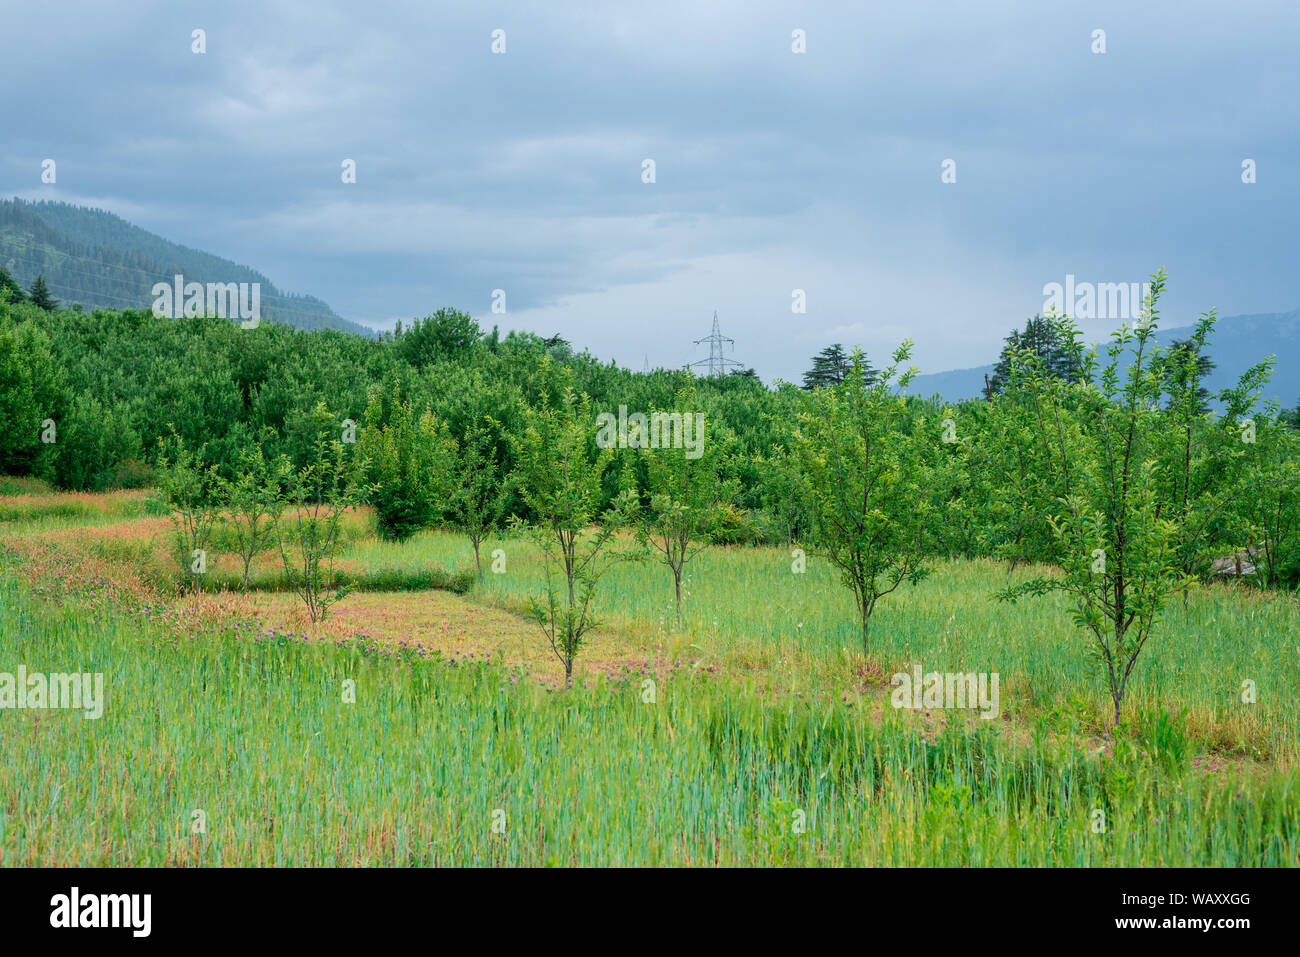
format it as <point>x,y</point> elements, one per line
<point>774,170</point>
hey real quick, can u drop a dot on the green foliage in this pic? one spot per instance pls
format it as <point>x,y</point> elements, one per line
<point>225,388</point>
<point>310,534</point>
<point>111,382</point>
<point>830,366</point>
<point>255,503</point>
<point>10,290</point>
<point>191,489</point>
<point>1011,482</point>
<point>40,297</point>
<point>859,462</point>
<point>1108,454</point>
<point>1040,342</point>
<point>1184,366</point>
<point>561,482</point>
<point>483,489</point>
<point>97,448</point>
<point>778,491</point>
<point>32,391</point>
<point>1269,506</point>
<point>689,499</point>
<point>1207,460</point>
<point>96,258</point>
<point>409,461</point>
<point>447,334</point>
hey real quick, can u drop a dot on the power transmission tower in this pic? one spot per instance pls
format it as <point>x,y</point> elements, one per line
<point>716,361</point>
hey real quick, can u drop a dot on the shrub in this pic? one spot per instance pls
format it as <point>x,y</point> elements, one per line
<point>409,466</point>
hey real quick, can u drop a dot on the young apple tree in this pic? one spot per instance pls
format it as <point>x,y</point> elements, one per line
<point>192,489</point>
<point>482,487</point>
<point>1269,505</point>
<point>311,535</point>
<point>255,503</point>
<point>1109,449</point>
<point>1205,459</point>
<point>689,498</point>
<point>560,479</point>
<point>859,464</point>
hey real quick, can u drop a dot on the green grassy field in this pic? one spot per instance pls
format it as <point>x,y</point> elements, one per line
<point>770,742</point>
<point>746,611</point>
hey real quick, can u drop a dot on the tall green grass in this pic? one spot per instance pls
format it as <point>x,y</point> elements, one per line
<point>253,731</point>
<point>745,606</point>
<point>41,510</point>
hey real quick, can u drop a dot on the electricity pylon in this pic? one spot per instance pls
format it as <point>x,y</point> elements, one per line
<point>716,361</point>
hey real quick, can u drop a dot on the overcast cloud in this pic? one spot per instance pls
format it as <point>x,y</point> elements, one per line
<point>775,170</point>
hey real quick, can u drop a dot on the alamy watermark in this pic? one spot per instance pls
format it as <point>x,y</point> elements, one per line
<point>225,300</point>
<point>658,430</point>
<point>129,911</point>
<point>944,690</point>
<point>1103,300</point>
<point>35,690</point>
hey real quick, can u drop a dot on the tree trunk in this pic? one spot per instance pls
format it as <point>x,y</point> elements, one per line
<point>677,582</point>
<point>1116,682</point>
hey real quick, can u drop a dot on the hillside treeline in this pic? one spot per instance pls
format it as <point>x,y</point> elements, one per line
<point>95,259</point>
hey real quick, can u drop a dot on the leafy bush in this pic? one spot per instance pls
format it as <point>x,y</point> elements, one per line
<point>409,466</point>
<point>90,444</point>
<point>132,473</point>
<point>411,579</point>
<point>31,393</point>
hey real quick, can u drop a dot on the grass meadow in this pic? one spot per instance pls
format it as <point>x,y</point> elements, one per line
<point>425,722</point>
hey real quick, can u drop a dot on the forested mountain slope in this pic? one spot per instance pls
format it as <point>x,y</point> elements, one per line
<point>101,261</point>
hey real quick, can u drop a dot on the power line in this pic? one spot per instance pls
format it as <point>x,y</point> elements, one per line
<point>127,303</point>
<point>47,266</point>
<point>716,361</point>
<point>140,275</point>
<point>93,248</point>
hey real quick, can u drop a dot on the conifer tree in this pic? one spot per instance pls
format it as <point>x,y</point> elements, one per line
<point>10,291</point>
<point>40,295</point>
<point>831,365</point>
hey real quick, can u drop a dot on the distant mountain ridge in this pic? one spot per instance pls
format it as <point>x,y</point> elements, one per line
<point>95,258</point>
<point>101,261</point>
<point>1237,343</point>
